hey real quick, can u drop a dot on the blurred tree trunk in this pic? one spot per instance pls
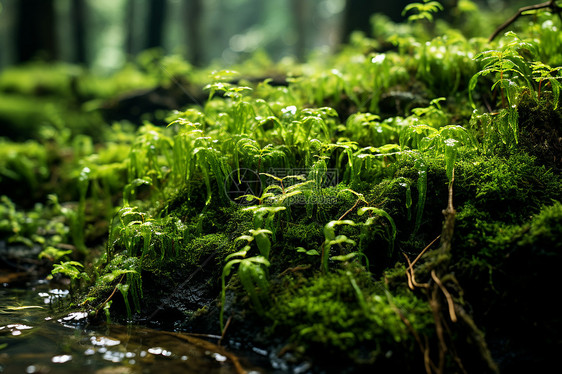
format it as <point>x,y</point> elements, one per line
<point>193,14</point>
<point>156,15</point>
<point>130,28</point>
<point>35,30</point>
<point>301,18</point>
<point>358,14</point>
<point>78,14</point>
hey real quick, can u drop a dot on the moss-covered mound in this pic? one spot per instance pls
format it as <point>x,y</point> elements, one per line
<point>379,209</point>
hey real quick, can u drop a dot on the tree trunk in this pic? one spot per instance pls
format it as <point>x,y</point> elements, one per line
<point>156,15</point>
<point>358,14</point>
<point>193,14</point>
<point>129,20</point>
<point>300,18</point>
<point>35,30</point>
<point>78,14</point>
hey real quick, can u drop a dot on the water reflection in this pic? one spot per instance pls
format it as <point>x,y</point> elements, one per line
<point>31,341</point>
<point>53,295</point>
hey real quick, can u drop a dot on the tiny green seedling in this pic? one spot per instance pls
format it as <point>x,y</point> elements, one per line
<point>250,270</point>
<point>422,11</point>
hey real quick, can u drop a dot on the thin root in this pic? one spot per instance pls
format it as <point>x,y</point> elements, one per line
<point>211,347</point>
<point>425,249</point>
<point>411,278</point>
<point>447,296</point>
<point>109,298</point>
<point>294,269</point>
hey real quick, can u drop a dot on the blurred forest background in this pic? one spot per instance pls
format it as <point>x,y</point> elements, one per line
<point>105,34</point>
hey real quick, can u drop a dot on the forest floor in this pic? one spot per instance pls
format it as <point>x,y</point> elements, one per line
<point>380,209</point>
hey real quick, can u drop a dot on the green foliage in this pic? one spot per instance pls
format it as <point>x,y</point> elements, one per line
<point>264,216</point>
<point>45,227</point>
<point>370,221</point>
<point>445,141</point>
<point>78,219</point>
<point>121,273</point>
<point>549,38</point>
<point>499,186</point>
<point>24,167</point>
<point>335,311</point>
<point>352,152</point>
<point>515,69</point>
<point>72,270</point>
<point>444,63</point>
<point>140,235</point>
<point>543,73</point>
<point>423,11</point>
<point>370,131</point>
<point>250,271</point>
<point>286,191</point>
<point>39,77</point>
<point>69,268</point>
<point>150,156</point>
<point>249,153</point>
<point>495,129</point>
<point>509,67</point>
<point>330,239</point>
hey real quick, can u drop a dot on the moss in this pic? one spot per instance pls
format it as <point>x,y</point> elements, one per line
<point>327,314</point>
<point>546,230</point>
<point>493,197</point>
<point>541,129</point>
<point>507,272</point>
<point>170,240</point>
<point>294,235</point>
<point>331,203</point>
<point>307,235</point>
<point>235,221</point>
<point>345,312</point>
<point>508,189</point>
<point>427,201</point>
<point>184,283</point>
<point>24,169</point>
<point>217,245</point>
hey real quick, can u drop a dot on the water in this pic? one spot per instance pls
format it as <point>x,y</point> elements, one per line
<point>35,338</point>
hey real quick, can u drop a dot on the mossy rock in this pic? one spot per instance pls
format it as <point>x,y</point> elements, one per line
<point>508,278</point>
<point>507,189</point>
<point>345,315</point>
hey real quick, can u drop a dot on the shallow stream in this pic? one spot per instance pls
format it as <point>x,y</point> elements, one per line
<point>35,338</point>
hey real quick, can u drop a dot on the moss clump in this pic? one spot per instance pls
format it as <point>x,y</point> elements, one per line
<point>509,189</point>
<point>508,272</point>
<point>24,169</point>
<point>345,313</point>
<point>541,129</point>
<point>344,196</point>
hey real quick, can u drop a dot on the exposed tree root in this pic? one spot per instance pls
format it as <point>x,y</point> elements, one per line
<point>410,269</point>
<point>411,278</point>
<point>440,298</point>
<point>447,296</point>
<point>294,270</point>
<point>211,347</point>
<point>478,338</point>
